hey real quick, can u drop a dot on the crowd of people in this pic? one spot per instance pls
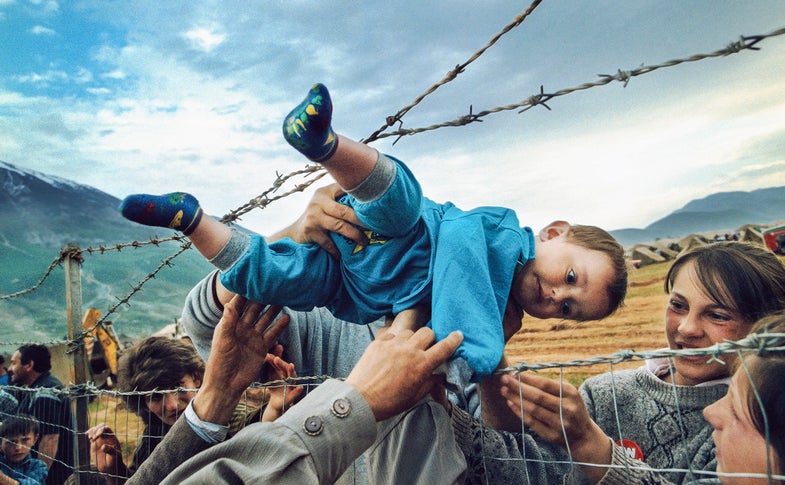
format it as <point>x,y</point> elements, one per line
<point>407,306</point>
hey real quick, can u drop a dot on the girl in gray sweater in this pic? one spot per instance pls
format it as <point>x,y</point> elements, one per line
<point>648,416</point>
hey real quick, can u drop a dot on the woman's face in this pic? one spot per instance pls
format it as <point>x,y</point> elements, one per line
<point>168,406</point>
<point>740,446</point>
<point>693,320</point>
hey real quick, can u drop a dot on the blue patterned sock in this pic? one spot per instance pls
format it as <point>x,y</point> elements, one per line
<point>178,210</point>
<point>307,127</point>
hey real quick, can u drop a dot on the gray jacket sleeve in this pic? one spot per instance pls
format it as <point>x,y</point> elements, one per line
<point>282,451</point>
<point>201,314</point>
<point>179,444</point>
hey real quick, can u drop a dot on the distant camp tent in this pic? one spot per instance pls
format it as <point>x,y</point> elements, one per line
<point>751,233</point>
<point>693,240</point>
<point>664,250</point>
<point>646,254</point>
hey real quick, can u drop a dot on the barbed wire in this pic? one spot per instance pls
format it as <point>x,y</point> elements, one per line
<point>77,253</point>
<point>760,343</point>
<point>744,43</point>
<point>452,74</point>
<point>757,342</point>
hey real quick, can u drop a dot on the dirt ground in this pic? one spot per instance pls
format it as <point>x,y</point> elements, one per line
<point>638,326</point>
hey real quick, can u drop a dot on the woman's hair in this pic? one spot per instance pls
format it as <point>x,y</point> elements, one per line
<point>745,278</point>
<point>156,363</point>
<point>766,372</point>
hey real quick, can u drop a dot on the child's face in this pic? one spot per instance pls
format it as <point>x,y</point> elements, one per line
<point>16,448</point>
<point>693,320</point>
<point>740,446</point>
<point>564,281</point>
<point>168,406</point>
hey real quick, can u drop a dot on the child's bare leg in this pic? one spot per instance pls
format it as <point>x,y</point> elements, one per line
<point>351,163</point>
<point>307,128</point>
<point>210,236</point>
<point>179,211</point>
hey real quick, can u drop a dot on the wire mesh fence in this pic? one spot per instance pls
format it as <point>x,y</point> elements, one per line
<point>63,415</point>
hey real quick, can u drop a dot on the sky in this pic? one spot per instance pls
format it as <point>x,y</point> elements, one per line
<point>149,96</point>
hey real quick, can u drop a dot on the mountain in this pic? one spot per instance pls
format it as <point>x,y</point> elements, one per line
<point>723,211</point>
<point>40,214</point>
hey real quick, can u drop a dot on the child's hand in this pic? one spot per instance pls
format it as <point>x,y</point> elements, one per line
<point>555,410</point>
<point>105,450</point>
<point>281,395</point>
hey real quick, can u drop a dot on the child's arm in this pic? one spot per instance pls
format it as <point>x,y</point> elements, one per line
<point>495,411</point>
<point>281,396</point>
<point>6,480</point>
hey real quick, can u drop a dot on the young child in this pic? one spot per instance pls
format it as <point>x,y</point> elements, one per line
<point>474,266</point>
<point>19,434</point>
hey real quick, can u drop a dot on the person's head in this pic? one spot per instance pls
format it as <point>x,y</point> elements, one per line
<point>159,363</point>
<point>578,273</point>
<point>19,434</point>
<point>717,292</point>
<point>749,420</point>
<point>29,362</point>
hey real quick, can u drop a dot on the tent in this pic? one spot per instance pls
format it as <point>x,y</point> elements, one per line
<point>645,254</point>
<point>691,241</point>
<point>751,233</point>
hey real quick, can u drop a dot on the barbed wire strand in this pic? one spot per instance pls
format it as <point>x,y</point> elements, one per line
<point>453,73</point>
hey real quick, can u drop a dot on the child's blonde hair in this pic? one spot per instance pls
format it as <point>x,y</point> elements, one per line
<point>596,239</point>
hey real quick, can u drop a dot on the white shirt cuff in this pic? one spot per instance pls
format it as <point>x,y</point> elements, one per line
<point>210,432</point>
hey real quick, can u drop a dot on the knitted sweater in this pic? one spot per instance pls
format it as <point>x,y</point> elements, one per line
<point>665,421</point>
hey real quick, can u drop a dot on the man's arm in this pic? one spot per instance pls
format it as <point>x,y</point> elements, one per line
<point>242,338</point>
<point>317,439</point>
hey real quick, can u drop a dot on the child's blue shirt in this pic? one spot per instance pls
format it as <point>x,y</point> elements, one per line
<point>30,471</point>
<point>463,262</point>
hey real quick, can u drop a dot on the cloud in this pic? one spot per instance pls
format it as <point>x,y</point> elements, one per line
<point>41,30</point>
<point>47,77</point>
<point>205,38</point>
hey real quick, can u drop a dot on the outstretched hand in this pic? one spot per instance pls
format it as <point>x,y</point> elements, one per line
<point>241,341</point>
<point>281,395</point>
<point>397,369</point>
<point>322,216</point>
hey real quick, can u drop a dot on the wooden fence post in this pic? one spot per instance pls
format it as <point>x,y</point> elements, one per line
<point>73,296</point>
